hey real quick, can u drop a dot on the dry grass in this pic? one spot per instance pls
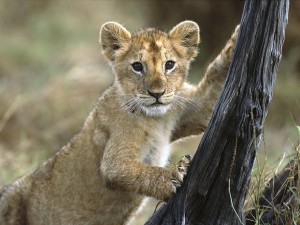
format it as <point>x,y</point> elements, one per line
<point>281,203</point>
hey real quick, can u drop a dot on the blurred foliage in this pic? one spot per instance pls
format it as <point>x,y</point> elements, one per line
<point>52,72</point>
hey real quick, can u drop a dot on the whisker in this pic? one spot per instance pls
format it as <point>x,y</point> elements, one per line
<point>181,104</point>
<point>140,106</point>
<point>127,103</point>
<point>135,107</point>
<point>121,95</point>
<point>187,100</point>
<point>174,106</point>
<point>143,96</point>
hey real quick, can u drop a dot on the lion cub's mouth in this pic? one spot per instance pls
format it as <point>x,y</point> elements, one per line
<point>149,105</point>
<point>156,109</point>
<point>156,104</point>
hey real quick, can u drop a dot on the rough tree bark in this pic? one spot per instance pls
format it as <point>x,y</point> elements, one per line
<point>214,190</point>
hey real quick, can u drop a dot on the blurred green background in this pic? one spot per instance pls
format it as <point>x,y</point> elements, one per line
<point>52,71</point>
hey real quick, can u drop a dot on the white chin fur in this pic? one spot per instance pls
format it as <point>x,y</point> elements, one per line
<point>156,110</point>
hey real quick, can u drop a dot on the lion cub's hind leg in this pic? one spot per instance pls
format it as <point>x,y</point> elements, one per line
<point>12,208</point>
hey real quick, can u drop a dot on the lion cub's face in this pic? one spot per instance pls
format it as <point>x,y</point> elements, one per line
<point>150,65</point>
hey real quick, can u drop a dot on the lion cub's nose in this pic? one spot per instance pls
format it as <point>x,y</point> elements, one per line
<point>156,95</point>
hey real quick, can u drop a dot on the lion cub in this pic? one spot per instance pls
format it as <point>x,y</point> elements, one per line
<point>102,175</point>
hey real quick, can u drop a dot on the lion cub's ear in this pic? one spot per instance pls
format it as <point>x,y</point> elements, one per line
<point>113,36</point>
<point>188,35</point>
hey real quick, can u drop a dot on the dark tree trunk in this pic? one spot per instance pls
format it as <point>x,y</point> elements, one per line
<point>214,190</point>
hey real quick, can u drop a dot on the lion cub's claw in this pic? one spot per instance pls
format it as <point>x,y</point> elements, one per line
<point>178,173</point>
<point>180,170</point>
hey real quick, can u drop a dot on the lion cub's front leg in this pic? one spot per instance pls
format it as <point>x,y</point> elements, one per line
<point>136,177</point>
<point>195,118</point>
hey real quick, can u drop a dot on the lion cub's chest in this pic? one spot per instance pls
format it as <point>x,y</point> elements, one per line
<point>156,149</point>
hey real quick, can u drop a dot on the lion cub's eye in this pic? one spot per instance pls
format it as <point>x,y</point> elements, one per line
<point>137,67</point>
<point>169,65</point>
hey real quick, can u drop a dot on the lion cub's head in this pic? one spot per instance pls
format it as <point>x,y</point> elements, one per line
<point>150,65</point>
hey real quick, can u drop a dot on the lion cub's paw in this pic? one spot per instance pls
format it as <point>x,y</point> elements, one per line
<point>228,50</point>
<point>180,170</point>
<point>177,174</point>
<point>237,28</point>
<point>235,34</point>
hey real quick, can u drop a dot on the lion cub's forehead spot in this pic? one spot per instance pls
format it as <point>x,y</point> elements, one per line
<point>153,45</point>
<point>152,41</point>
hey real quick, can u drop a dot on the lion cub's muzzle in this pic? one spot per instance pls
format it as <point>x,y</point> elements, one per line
<point>158,98</point>
<point>156,103</point>
<point>157,95</point>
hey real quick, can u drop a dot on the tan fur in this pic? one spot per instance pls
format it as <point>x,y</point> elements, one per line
<point>102,175</point>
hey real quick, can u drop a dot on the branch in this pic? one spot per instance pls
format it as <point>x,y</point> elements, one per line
<point>216,185</point>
